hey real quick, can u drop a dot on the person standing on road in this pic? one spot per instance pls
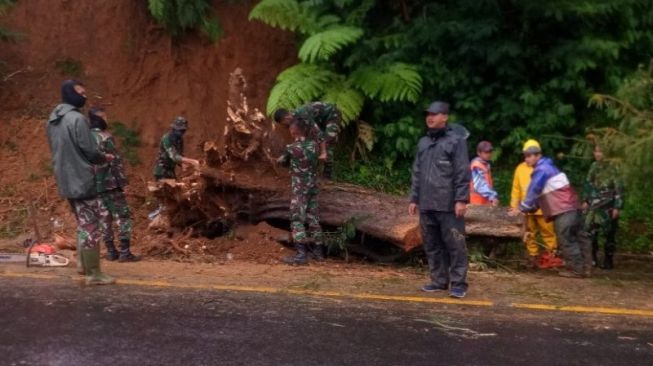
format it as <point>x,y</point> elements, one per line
<point>551,191</point>
<point>301,156</point>
<point>111,181</point>
<point>535,221</point>
<point>74,153</point>
<point>482,186</point>
<point>440,191</point>
<point>324,124</point>
<point>603,199</point>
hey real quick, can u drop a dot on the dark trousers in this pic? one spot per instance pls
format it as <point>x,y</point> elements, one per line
<point>573,240</point>
<point>610,231</point>
<point>443,235</point>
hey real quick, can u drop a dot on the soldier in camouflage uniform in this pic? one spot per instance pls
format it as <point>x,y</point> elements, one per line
<point>111,181</point>
<point>301,155</point>
<point>324,124</point>
<point>603,200</point>
<point>171,150</point>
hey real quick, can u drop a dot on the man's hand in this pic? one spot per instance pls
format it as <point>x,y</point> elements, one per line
<point>494,202</point>
<point>412,209</point>
<point>460,209</point>
<point>109,157</point>
<point>192,162</point>
<point>512,211</point>
<point>615,213</point>
<point>584,206</point>
<point>323,156</point>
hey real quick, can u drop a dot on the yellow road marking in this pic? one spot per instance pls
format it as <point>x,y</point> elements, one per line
<point>415,299</point>
<point>585,309</point>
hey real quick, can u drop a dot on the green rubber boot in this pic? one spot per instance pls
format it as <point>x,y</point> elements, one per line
<point>91,261</point>
<point>80,265</point>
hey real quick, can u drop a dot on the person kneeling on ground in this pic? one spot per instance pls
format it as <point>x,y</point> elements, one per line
<point>301,156</point>
<point>111,181</point>
<point>550,189</point>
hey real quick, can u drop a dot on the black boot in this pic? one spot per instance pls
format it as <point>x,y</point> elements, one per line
<point>610,248</point>
<point>595,250</point>
<point>298,259</point>
<point>328,171</point>
<point>125,254</point>
<point>608,262</point>
<point>317,252</point>
<point>112,252</point>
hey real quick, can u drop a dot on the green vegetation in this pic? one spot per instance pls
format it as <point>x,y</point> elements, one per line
<point>69,67</point>
<point>128,141</point>
<point>180,16</point>
<point>511,69</point>
<point>6,34</point>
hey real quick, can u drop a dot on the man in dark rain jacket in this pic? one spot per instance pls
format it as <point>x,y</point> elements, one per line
<point>440,191</point>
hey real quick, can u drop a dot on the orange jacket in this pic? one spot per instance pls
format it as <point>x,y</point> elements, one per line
<point>474,197</point>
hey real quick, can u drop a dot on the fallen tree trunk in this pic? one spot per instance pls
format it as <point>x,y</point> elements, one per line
<point>240,181</point>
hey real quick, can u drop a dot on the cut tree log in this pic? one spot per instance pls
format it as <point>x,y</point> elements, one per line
<point>240,181</point>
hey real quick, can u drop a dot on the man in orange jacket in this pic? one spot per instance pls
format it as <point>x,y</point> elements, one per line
<point>481,187</point>
<point>534,222</point>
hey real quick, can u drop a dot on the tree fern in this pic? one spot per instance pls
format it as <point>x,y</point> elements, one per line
<point>285,14</point>
<point>394,82</point>
<point>321,46</point>
<point>297,85</point>
<point>348,100</point>
<point>178,16</point>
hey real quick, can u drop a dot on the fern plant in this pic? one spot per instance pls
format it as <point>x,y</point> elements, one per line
<point>180,16</point>
<point>328,27</point>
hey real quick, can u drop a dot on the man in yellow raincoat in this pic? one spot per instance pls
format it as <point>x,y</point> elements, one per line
<point>535,222</point>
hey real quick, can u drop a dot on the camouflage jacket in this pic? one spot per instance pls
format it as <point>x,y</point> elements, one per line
<point>603,187</point>
<point>109,175</point>
<point>170,155</point>
<point>324,119</point>
<point>301,155</point>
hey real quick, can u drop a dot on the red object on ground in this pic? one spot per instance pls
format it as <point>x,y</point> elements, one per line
<point>548,260</point>
<point>41,248</point>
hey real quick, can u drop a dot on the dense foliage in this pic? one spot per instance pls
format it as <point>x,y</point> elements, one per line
<point>5,34</point>
<point>512,69</point>
<point>180,16</point>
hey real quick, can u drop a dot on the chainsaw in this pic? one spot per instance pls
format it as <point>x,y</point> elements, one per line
<point>37,255</point>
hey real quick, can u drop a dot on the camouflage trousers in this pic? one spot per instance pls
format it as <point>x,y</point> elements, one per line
<point>88,213</point>
<point>304,213</point>
<point>600,222</point>
<point>117,209</point>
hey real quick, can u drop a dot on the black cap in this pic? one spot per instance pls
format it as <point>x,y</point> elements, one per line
<point>438,107</point>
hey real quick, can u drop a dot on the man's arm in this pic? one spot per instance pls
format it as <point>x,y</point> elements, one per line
<point>461,173</point>
<point>538,180</point>
<point>86,142</point>
<point>481,185</point>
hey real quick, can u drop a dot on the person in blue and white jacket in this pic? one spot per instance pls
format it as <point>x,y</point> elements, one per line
<point>551,191</point>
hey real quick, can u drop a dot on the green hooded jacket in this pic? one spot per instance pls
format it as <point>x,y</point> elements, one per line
<point>74,152</point>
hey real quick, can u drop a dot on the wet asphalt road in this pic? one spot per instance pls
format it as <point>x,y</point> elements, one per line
<point>57,322</point>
